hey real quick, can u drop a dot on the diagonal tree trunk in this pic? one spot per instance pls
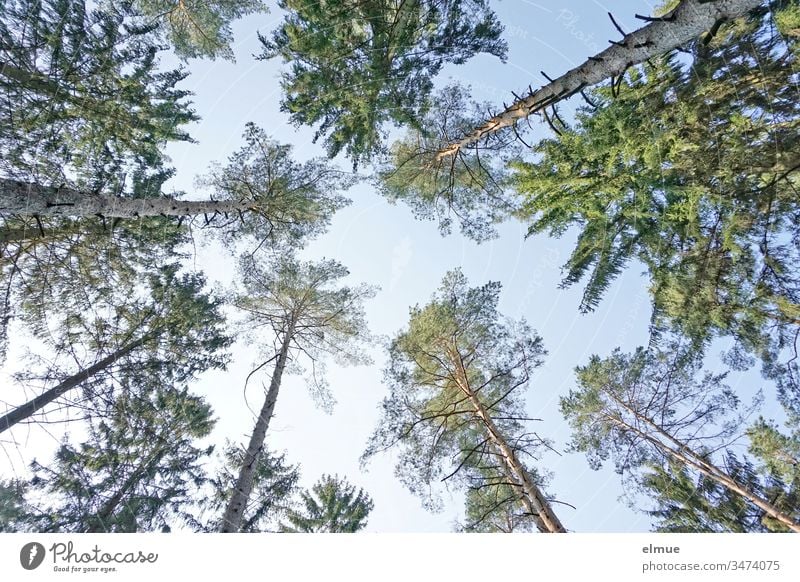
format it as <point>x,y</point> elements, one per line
<point>685,455</point>
<point>26,410</point>
<point>688,21</point>
<point>534,500</point>
<point>28,199</point>
<point>234,512</point>
<point>100,520</point>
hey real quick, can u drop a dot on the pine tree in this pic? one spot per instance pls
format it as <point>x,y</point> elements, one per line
<point>357,66</point>
<point>331,506</point>
<point>275,483</point>
<point>455,407</point>
<point>684,22</point>
<point>652,408</point>
<point>194,28</point>
<point>138,469</point>
<point>296,311</point>
<point>174,332</point>
<point>691,170</point>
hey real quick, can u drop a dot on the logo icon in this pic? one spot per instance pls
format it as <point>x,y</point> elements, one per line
<point>31,555</point>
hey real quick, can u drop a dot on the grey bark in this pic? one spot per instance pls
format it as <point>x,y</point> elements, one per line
<point>688,21</point>
<point>28,199</point>
<point>26,410</point>
<point>234,512</point>
<point>534,500</point>
<point>684,454</point>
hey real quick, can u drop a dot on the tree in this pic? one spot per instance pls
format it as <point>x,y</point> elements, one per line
<point>356,66</point>
<point>694,503</point>
<point>275,483</point>
<point>137,471</point>
<point>302,314</point>
<point>687,21</point>
<point>455,377</point>
<point>331,506</point>
<point>195,28</point>
<point>174,333</point>
<point>692,171</point>
<point>85,95</point>
<point>650,408</point>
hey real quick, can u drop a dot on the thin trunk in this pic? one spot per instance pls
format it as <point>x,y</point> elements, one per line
<point>28,199</point>
<point>29,408</point>
<point>688,21</point>
<point>689,458</point>
<point>535,501</point>
<point>234,512</point>
<point>101,518</point>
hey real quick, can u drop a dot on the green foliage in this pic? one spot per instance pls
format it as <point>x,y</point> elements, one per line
<point>274,484</point>
<point>356,66</point>
<point>670,431</point>
<point>137,471</point>
<point>468,187</point>
<point>14,509</point>
<point>331,506</point>
<point>691,170</point>
<point>325,320</point>
<point>687,503</point>
<point>85,96</point>
<point>428,415</point>
<point>173,330</point>
<point>194,28</point>
<point>291,201</point>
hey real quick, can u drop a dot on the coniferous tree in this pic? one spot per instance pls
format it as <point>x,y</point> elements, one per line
<point>692,170</point>
<point>296,311</point>
<point>651,409</point>
<point>356,66</point>
<point>174,332</point>
<point>138,469</point>
<point>331,506</point>
<point>455,406</point>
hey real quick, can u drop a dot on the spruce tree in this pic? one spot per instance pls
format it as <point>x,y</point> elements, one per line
<point>331,506</point>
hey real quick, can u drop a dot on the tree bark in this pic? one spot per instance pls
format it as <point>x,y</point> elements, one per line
<point>688,457</point>
<point>234,512</point>
<point>26,410</point>
<point>533,499</point>
<point>688,21</point>
<point>100,519</point>
<point>28,199</point>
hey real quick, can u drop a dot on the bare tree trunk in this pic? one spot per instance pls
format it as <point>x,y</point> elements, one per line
<point>234,512</point>
<point>29,408</point>
<point>28,199</point>
<point>689,20</point>
<point>533,499</point>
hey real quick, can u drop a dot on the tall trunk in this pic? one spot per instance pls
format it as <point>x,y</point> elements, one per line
<point>29,199</point>
<point>101,518</point>
<point>533,499</point>
<point>29,408</point>
<point>683,454</point>
<point>234,512</point>
<point>688,21</point>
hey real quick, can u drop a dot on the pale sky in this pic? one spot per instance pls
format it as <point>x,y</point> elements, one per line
<point>384,245</point>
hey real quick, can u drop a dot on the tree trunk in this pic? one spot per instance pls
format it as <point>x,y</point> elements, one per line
<point>688,457</point>
<point>689,20</point>
<point>535,502</point>
<point>29,408</point>
<point>100,519</point>
<point>27,199</point>
<point>234,512</point>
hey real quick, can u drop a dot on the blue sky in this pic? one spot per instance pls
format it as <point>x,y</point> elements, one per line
<point>384,245</point>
